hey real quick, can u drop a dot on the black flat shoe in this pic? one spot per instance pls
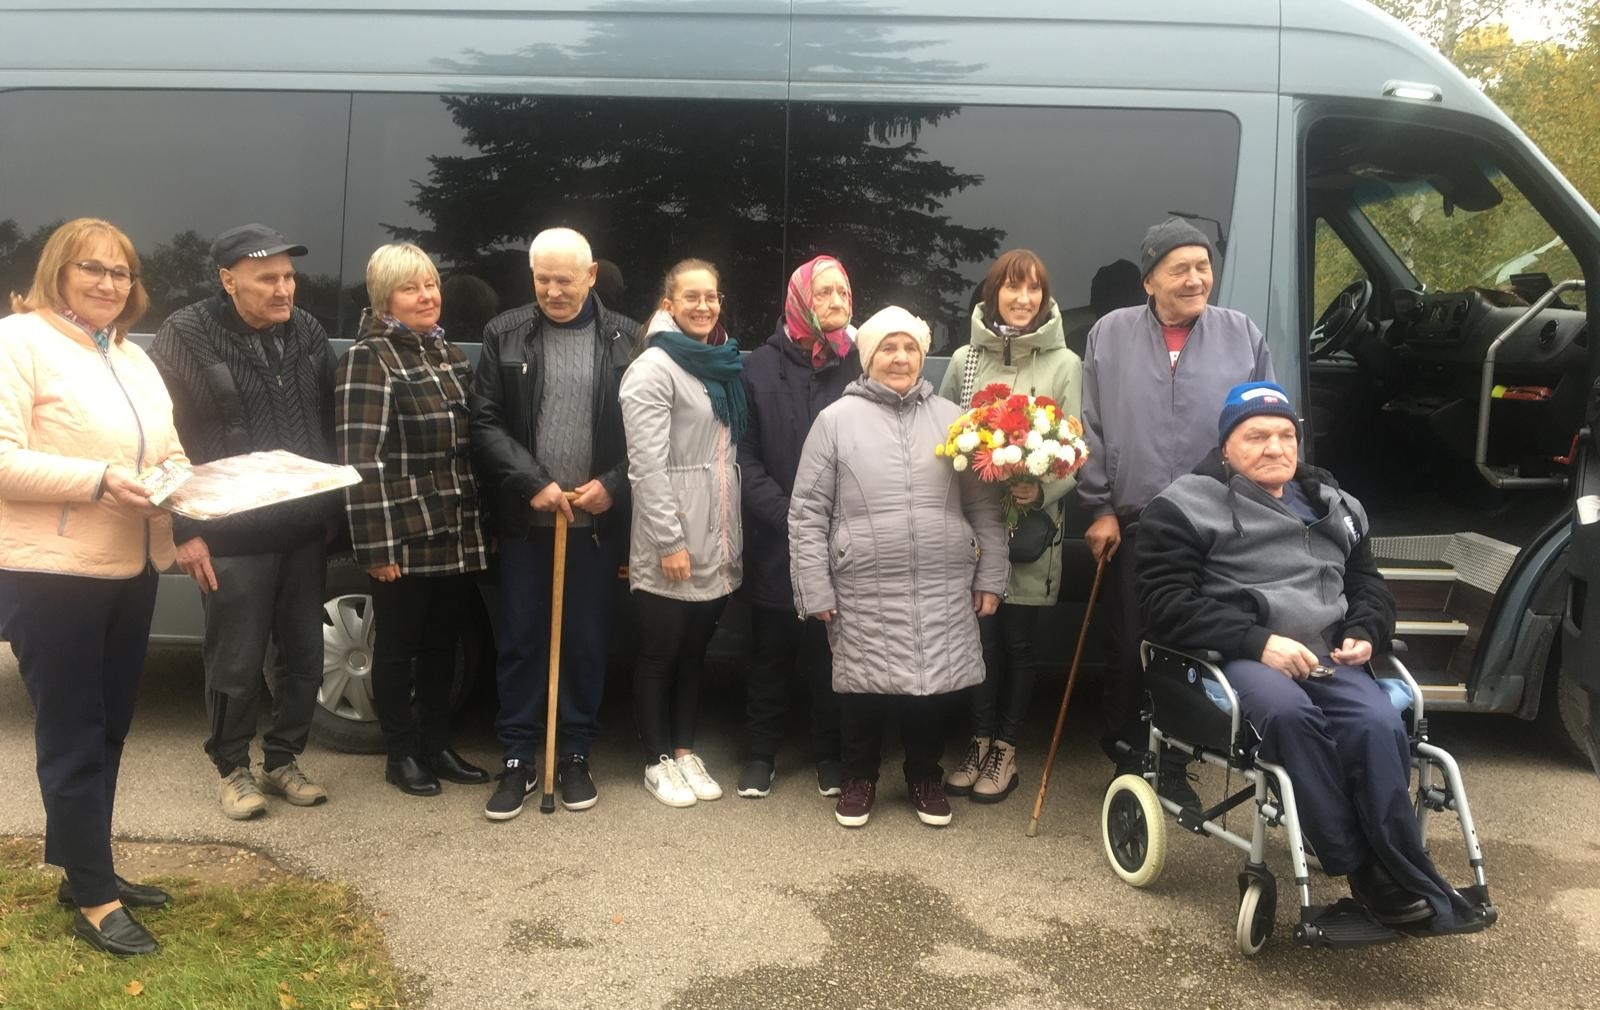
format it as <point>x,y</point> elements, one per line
<point>119,934</point>
<point>452,767</point>
<point>409,775</point>
<point>1390,903</point>
<point>132,895</point>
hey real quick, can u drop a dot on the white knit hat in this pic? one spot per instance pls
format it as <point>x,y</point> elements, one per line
<point>893,319</point>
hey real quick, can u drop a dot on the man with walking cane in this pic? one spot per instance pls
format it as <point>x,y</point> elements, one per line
<point>1153,375</point>
<point>546,421</point>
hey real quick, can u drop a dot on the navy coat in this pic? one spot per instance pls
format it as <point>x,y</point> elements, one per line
<point>785,396</point>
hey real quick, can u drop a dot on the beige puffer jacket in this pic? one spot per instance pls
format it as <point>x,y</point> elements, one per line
<point>66,413</point>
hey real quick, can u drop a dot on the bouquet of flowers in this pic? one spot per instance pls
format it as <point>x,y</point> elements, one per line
<point>1011,437</point>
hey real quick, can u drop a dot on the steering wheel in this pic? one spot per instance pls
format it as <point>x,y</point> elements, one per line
<point>1342,320</point>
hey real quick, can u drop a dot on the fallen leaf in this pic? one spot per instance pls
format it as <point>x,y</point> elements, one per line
<point>617,919</point>
<point>133,988</point>
<point>286,1001</point>
<point>309,976</point>
<point>356,1004</point>
<point>283,987</point>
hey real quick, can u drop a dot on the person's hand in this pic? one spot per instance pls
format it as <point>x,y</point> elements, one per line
<point>120,489</point>
<point>676,566</point>
<point>985,603</point>
<point>1025,492</point>
<point>1352,652</point>
<point>1288,657</point>
<point>593,498</point>
<point>551,499</point>
<point>194,557</point>
<point>1103,536</point>
<point>384,573</point>
<point>824,615</point>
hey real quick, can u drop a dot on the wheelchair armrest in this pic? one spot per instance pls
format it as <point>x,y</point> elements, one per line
<point>1397,645</point>
<point>1209,656</point>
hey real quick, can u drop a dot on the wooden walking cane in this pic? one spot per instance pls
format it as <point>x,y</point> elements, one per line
<point>1061,716</point>
<point>558,588</point>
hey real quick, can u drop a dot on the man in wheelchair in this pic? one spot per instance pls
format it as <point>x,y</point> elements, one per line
<point>1265,561</point>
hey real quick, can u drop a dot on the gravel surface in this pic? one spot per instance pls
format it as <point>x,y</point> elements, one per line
<point>768,903</point>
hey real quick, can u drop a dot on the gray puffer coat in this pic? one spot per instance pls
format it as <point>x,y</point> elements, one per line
<point>890,537</point>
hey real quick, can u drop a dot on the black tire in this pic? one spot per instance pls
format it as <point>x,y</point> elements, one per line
<point>1133,828</point>
<point>1564,709</point>
<point>344,719</point>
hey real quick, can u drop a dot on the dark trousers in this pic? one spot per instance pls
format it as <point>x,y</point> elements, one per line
<point>523,638</point>
<point>673,635</point>
<point>80,645</point>
<point>419,620</point>
<point>261,596</point>
<point>1122,688</point>
<point>1000,704</point>
<point>861,720</point>
<point>787,650</point>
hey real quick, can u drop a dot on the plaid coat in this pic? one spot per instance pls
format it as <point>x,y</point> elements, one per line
<point>400,418</point>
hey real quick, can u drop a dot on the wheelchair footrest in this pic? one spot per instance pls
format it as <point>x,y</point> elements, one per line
<point>1342,924</point>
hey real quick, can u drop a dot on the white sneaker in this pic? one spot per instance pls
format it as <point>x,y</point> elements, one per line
<point>694,773</point>
<point>665,782</point>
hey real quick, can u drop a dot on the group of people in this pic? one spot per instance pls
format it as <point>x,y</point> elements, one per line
<point>880,578</point>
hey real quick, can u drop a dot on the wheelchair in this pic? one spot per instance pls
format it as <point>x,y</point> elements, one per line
<point>1191,707</point>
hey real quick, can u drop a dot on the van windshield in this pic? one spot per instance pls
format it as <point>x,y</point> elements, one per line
<point>1448,247</point>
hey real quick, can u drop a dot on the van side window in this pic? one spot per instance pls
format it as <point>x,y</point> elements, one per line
<point>172,169</point>
<point>471,178</point>
<point>918,199</point>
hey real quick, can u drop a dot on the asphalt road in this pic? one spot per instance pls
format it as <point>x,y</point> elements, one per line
<point>770,904</point>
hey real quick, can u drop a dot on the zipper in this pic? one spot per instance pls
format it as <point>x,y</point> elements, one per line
<point>916,626</point>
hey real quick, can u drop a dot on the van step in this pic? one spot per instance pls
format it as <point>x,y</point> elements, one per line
<point>1417,588</point>
<point>1478,561</point>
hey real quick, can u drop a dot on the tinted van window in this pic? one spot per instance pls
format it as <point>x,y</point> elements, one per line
<point>917,200</point>
<point>650,181</point>
<point>172,169</point>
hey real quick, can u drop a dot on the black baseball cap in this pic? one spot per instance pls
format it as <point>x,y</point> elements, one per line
<point>251,241</point>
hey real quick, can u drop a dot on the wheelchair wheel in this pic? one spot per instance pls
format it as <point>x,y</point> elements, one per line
<point>1255,918</point>
<point>1134,828</point>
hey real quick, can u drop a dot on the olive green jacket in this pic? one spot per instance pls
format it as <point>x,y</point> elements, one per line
<point>1040,365</point>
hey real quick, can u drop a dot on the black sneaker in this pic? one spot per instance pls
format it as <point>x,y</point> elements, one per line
<point>755,781</point>
<point>1173,778</point>
<point>515,783</point>
<point>577,787</point>
<point>830,777</point>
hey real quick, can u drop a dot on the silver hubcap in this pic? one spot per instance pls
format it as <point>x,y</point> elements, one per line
<point>347,634</point>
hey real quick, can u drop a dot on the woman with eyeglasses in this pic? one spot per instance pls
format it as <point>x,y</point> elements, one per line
<point>683,410</point>
<point>802,368</point>
<point>82,412</point>
<point>400,418</point>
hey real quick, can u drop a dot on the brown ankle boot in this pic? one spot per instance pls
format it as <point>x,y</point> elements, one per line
<point>961,781</point>
<point>998,776</point>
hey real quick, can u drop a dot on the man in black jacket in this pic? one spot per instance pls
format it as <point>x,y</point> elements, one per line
<point>1267,562</point>
<point>249,372</point>
<point>546,421</point>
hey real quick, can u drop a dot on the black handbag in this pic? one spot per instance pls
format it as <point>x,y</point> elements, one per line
<point>1034,533</point>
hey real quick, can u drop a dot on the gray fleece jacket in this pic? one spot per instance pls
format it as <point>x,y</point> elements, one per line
<point>1146,423</point>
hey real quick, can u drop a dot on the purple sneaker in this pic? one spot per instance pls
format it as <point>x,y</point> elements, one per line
<point>855,802</point>
<point>927,795</point>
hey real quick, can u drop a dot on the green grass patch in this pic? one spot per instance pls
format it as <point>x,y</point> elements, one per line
<point>286,945</point>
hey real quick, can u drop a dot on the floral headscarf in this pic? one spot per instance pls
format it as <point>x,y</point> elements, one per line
<point>800,323</point>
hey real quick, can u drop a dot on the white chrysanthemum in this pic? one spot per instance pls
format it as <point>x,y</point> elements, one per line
<point>960,463</point>
<point>1033,441</point>
<point>1041,422</point>
<point>1040,461</point>
<point>1067,454</point>
<point>1063,430</point>
<point>1051,446</point>
<point>967,441</point>
<point>1013,454</point>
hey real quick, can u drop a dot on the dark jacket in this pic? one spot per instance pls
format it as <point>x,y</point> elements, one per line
<point>228,400</point>
<point>506,392</point>
<point>402,422</point>
<point>785,396</point>
<point>1223,565</point>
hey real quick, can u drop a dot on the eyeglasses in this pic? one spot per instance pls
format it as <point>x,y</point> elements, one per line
<point>711,299</point>
<point>121,277</point>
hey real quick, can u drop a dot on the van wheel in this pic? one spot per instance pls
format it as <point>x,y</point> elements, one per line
<point>344,718</point>
<point>1134,828</point>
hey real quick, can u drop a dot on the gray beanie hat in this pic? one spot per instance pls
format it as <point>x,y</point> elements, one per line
<point>1173,233</point>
